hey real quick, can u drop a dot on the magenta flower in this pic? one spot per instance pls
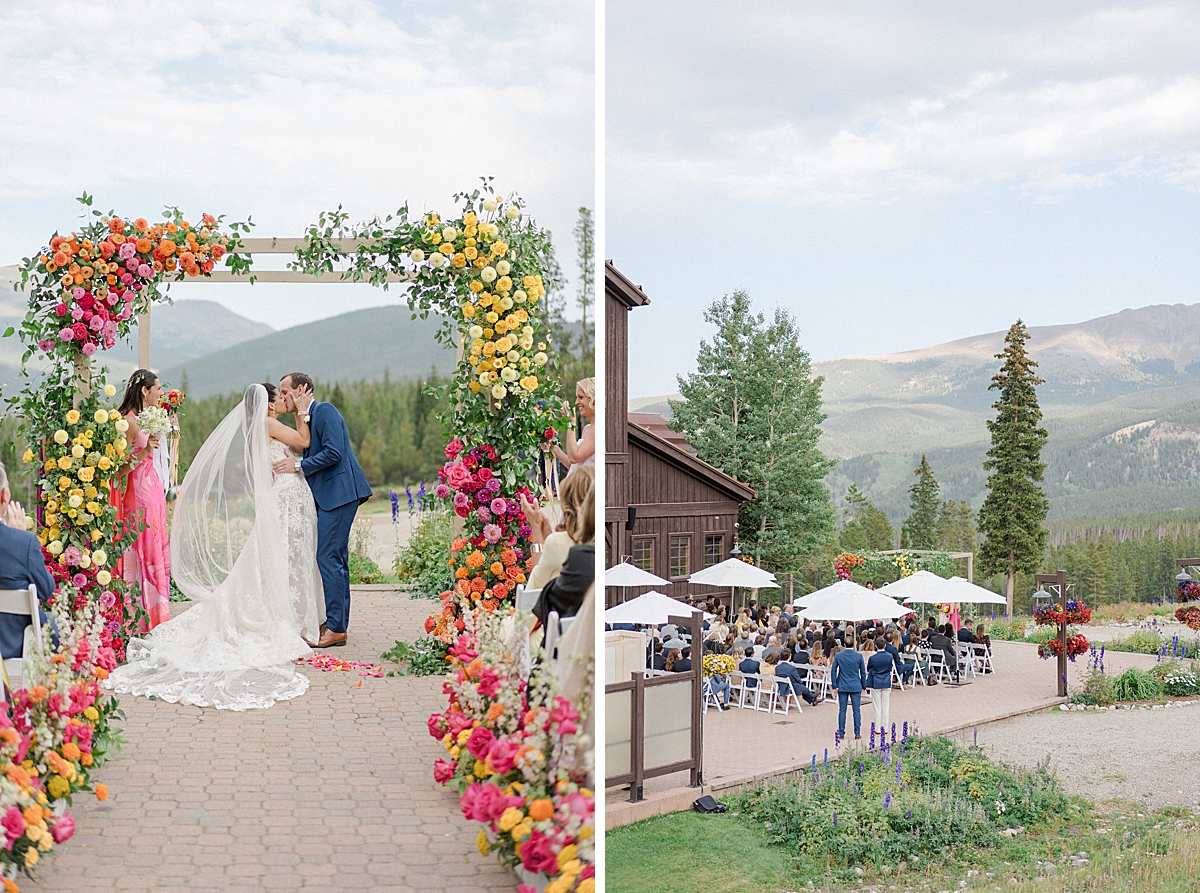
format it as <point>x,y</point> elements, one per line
<point>79,581</point>
<point>63,828</point>
<point>127,250</point>
<point>441,491</point>
<point>491,533</point>
<point>499,506</point>
<point>72,555</point>
<point>107,599</point>
<point>89,349</point>
<point>461,500</point>
<point>61,310</point>
<point>126,279</point>
<point>46,345</point>
<point>67,334</point>
<point>77,292</point>
<point>483,514</point>
<point>494,485</point>
<point>145,271</point>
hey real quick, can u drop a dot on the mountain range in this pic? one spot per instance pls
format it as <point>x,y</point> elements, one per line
<point>217,351</point>
<point>1121,397</point>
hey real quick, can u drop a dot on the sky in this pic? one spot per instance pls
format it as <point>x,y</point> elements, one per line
<point>275,111</point>
<point>898,175</point>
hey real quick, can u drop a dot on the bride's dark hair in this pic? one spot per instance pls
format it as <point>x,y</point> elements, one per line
<point>271,392</point>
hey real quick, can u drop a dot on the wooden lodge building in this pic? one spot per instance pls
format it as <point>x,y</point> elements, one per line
<point>664,509</point>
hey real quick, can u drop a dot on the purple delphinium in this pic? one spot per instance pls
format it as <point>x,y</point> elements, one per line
<point>835,818</point>
<point>395,506</point>
<point>904,739</point>
<point>408,493</point>
<point>893,733</point>
<point>872,736</point>
<point>837,739</point>
<point>887,799</point>
<point>825,762</point>
<point>814,763</point>
<point>899,767</point>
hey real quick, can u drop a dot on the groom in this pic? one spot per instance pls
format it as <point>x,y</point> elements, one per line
<point>338,486</point>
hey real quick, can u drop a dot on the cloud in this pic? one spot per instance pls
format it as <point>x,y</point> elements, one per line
<point>869,103</point>
<point>281,109</point>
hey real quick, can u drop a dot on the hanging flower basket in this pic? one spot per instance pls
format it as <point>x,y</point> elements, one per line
<point>1188,591</point>
<point>1189,616</point>
<point>1052,615</point>
<point>1077,644</point>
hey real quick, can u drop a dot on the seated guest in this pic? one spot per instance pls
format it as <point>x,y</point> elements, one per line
<point>769,663</point>
<point>904,668</point>
<point>719,685</point>
<point>787,670</point>
<point>659,661</point>
<point>751,666</point>
<point>548,561</point>
<point>965,635</point>
<point>816,657</point>
<point>21,563</point>
<point>671,659</point>
<point>982,638</point>
<point>565,593</point>
<point>941,640</point>
<point>798,653</point>
<point>685,661</point>
<point>773,647</point>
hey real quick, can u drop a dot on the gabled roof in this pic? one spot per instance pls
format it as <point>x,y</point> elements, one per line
<point>688,463</point>
<point>619,286</point>
<point>656,423</point>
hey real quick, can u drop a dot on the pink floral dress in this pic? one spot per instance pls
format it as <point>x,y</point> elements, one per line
<point>148,562</point>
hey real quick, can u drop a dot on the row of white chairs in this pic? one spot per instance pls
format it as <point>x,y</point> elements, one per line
<point>22,602</point>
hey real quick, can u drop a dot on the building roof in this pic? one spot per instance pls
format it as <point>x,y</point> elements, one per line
<point>656,423</point>
<point>675,456</point>
<point>620,287</point>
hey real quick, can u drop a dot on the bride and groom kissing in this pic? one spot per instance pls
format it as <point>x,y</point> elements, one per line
<point>260,543</point>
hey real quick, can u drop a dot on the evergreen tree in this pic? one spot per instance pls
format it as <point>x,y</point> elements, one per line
<point>920,530</point>
<point>956,527</point>
<point>877,527</point>
<point>866,524</point>
<point>753,409</point>
<point>585,247</point>
<point>1014,513</point>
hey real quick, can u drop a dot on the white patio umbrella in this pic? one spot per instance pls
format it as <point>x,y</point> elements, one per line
<point>923,587</point>
<point>846,600</point>
<point>625,574</point>
<point>650,608</point>
<point>959,589</point>
<point>734,573</point>
<point>841,587</point>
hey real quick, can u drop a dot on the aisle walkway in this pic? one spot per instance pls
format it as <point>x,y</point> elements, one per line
<point>332,790</point>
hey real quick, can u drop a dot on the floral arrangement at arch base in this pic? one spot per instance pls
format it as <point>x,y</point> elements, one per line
<point>517,755</point>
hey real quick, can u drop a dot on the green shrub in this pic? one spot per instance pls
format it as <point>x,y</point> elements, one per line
<point>922,796</point>
<point>1042,634</point>
<point>1099,689</point>
<point>1180,682</point>
<point>1142,641</point>
<point>423,561</point>
<point>424,657</point>
<point>1137,685</point>
<point>1007,632</point>
<point>363,569</point>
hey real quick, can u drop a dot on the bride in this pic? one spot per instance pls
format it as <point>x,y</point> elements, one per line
<point>243,546</point>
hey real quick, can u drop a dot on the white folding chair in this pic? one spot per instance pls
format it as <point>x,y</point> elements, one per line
<point>966,658</point>
<point>710,696</point>
<point>527,598</point>
<point>22,602</point>
<point>784,696</point>
<point>981,655</point>
<point>937,664</point>
<point>764,689</point>
<point>818,680</point>
<point>554,632</point>
<point>737,689</point>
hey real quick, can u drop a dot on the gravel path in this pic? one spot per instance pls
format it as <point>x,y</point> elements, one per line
<point>1143,756</point>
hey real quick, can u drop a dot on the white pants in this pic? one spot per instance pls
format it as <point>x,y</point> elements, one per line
<point>881,700</point>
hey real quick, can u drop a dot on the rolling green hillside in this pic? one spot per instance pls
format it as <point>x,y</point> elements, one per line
<point>1121,399</point>
<point>357,346</point>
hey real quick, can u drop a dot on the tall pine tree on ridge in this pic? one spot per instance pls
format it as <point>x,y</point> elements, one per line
<point>920,529</point>
<point>1013,515</point>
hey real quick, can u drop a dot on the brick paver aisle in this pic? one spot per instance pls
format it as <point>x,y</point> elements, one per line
<point>332,790</point>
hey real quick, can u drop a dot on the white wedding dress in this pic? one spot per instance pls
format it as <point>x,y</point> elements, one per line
<point>243,548</point>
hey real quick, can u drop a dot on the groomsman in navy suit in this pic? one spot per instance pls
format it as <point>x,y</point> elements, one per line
<point>339,487</point>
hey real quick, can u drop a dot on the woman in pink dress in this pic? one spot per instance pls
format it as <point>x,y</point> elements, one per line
<point>147,564</point>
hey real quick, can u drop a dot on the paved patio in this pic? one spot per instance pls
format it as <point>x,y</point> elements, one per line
<point>742,745</point>
<point>332,790</point>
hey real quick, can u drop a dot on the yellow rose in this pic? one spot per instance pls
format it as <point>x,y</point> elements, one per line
<point>561,884</point>
<point>468,310</point>
<point>61,437</point>
<point>31,854</point>
<point>103,577</point>
<point>566,854</point>
<point>109,391</point>
<point>476,286</point>
<point>587,885</point>
<point>86,473</point>
<point>531,383</point>
<point>72,416</point>
<point>95,508</point>
<point>101,416</point>
<point>64,483</point>
<point>91,492</point>
<point>471,253</point>
<point>74,501</point>
<point>492,317</point>
<point>113,415</point>
<point>65,463</point>
<point>504,284</point>
<point>446,248</point>
<point>27,456</point>
<point>33,832</point>
<point>96,536</point>
<point>105,463</point>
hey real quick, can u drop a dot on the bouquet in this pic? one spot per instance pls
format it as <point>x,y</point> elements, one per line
<point>718,665</point>
<point>154,420</point>
<point>171,400</point>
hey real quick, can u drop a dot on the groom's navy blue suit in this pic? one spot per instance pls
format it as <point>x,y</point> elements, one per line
<point>339,487</point>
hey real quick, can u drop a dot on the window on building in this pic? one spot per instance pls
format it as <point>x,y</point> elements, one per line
<point>714,548</point>
<point>643,553</point>
<point>681,549</point>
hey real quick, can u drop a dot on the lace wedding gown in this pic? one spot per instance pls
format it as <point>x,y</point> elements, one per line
<point>235,647</point>
<point>298,515</point>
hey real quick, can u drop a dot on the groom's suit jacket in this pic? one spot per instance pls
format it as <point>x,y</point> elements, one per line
<point>329,463</point>
<point>21,563</point>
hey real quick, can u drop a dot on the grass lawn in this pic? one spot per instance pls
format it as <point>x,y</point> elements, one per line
<point>690,853</point>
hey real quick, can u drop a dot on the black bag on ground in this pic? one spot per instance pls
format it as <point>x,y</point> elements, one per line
<point>708,804</point>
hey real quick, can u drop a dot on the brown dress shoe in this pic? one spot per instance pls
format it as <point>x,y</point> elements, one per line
<point>331,640</point>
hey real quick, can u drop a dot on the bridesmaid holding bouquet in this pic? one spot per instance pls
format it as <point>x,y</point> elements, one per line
<point>146,564</point>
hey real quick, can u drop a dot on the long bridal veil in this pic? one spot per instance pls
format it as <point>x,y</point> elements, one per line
<point>234,647</point>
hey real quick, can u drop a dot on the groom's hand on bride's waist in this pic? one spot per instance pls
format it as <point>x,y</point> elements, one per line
<point>286,465</point>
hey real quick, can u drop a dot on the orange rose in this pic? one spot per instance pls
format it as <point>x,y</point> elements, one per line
<point>141,225</point>
<point>541,809</point>
<point>144,246</point>
<point>217,251</point>
<point>116,225</point>
<point>101,792</point>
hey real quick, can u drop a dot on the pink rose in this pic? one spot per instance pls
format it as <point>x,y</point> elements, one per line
<point>537,854</point>
<point>485,475</point>
<point>442,491</point>
<point>443,771</point>
<point>436,729</point>
<point>489,804</point>
<point>457,475</point>
<point>481,739</point>
<point>46,345</point>
<point>63,828</point>
<point>145,271</point>
<point>67,334</point>
<point>457,722</point>
<point>89,348</point>
<point>489,682</point>
<point>503,755</point>
<point>453,448</point>
<point>14,825</point>
<point>467,801</point>
<point>60,309</point>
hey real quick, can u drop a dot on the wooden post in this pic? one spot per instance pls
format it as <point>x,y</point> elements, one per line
<point>1060,580</point>
<point>83,381</point>
<point>144,340</point>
